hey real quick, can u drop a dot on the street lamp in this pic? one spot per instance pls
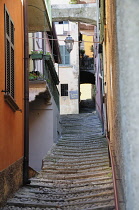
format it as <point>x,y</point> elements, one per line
<point>69,41</point>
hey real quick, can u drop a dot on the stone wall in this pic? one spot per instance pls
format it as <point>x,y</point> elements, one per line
<point>10,180</point>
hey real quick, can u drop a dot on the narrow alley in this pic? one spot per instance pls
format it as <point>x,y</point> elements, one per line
<point>75,173</point>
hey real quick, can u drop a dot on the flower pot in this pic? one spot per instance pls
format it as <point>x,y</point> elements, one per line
<point>36,56</point>
<point>47,57</point>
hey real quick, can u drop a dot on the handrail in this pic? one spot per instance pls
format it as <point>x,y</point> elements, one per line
<point>113,177</point>
<point>113,171</point>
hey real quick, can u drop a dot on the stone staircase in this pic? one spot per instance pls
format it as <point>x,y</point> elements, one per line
<point>75,174</point>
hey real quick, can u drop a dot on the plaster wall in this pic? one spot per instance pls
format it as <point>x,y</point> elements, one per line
<point>12,123</point>
<point>88,44</point>
<point>69,74</point>
<point>44,130</point>
<point>122,84</point>
<point>128,52</point>
<point>112,108</point>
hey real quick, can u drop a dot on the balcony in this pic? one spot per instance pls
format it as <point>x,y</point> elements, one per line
<point>43,82</point>
<point>39,16</point>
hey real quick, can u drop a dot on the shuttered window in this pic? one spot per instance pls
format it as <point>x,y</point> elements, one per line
<point>65,55</point>
<point>9,54</point>
<point>64,89</point>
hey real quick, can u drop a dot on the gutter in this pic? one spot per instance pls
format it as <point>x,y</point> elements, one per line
<point>26,97</point>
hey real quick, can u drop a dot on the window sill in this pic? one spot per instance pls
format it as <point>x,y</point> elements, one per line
<point>11,102</point>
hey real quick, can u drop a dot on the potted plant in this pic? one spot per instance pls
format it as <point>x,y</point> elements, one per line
<point>35,75</point>
<point>36,55</point>
<point>47,56</point>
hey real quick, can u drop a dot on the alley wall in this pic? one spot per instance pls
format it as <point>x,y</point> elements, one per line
<point>121,83</point>
<point>11,122</point>
<point>112,91</point>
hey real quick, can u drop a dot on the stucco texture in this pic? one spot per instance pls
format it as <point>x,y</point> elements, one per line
<point>112,93</point>
<point>11,123</point>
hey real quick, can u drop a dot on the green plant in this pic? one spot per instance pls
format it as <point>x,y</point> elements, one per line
<point>73,2</point>
<point>35,75</point>
<point>36,51</point>
<point>48,80</point>
<point>82,52</point>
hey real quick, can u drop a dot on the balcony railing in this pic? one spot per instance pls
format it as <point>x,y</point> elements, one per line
<point>49,74</point>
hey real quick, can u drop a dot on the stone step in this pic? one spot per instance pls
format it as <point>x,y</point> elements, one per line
<point>60,161</point>
<point>95,201</point>
<point>73,171</point>
<point>75,159</point>
<point>92,154</point>
<point>68,186</point>
<point>103,207</point>
<point>76,176</point>
<point>72,154</point>
<point>73,182</point>
<point>73,167</point>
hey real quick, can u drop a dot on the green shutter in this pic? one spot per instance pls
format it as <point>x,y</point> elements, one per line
<point>65,55</point>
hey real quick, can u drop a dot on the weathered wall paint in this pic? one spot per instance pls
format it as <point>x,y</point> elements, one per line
<point>87,44</point>
<point>11,132</point>
<point>11,123</point>
<point>127,21</point>
<point>69,74</point>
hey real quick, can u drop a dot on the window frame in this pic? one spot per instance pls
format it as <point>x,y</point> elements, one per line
<point>64,90</point>
<point>64,53</point>
<point>9,51</point>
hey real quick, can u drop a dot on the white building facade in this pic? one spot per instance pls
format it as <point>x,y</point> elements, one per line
<point>69,69</point>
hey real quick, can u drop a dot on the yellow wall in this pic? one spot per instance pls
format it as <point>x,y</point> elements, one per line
<point>88,44</point>
<point>11,123</point>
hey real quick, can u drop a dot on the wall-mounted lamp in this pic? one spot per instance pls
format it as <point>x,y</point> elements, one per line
<point>69,41</point>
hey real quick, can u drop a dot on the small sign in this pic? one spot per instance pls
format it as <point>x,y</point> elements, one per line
<point>73,94</point>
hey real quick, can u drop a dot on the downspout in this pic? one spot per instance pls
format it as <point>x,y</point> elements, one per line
<point>26,96</point>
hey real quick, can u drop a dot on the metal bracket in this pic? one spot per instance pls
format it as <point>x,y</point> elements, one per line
<point>5,91</point>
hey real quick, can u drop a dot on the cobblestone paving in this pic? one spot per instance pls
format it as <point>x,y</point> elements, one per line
<point>75,174</point>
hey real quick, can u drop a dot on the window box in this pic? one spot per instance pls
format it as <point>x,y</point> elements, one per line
<point>47,57</point>
<point>36,56</point>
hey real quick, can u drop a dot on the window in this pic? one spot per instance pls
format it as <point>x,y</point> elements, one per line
<point>9,54</point>
<point>64,89</point>
<point>65,55</point>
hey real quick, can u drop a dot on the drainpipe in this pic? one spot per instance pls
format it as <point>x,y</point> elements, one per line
<point>26,97</point>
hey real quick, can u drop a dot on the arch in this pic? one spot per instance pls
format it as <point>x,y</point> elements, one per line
<point>86,13</point>
<point>87,77</point>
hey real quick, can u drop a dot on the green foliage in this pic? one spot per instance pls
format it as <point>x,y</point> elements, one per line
<point>73,2</point>
<point>36,51</point>
<point>35,75</point>
<point>82,51</point>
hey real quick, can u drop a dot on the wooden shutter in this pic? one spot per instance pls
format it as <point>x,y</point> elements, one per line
<point>65,55</point>
<point>9,53</point>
